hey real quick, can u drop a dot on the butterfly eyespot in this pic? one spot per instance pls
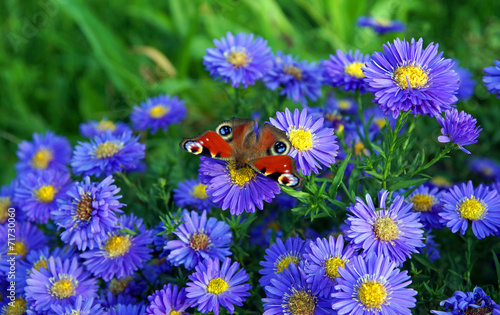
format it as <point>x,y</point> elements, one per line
<point>280,147</point>
<point>193,147</point>
<point>225,130</point>
<point>289,180</point>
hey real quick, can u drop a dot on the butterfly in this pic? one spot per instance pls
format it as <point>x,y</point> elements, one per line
<point>236,140</point>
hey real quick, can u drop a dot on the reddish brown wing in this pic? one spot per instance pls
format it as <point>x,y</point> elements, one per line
<point>280,168</point>
<point>208,143</point>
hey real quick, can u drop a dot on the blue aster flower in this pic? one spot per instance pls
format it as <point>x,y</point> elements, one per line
<point>334,117</point>
<point>60,284</point>
<point>408,78</point>
<point>81,306</point>
<point>7,201</point>
<point>129,309</point>
<point>480,206</point>
<point>107,154</point>
<point>263,231</point>
<point>373,285</point>
<point>88,212</point>
<point>378,119</point>
<point>299,79</point>
<point>467,83</point>
<point>198,239</point>
<point>492,78</point>
<point>167,301</point>
<point>192,193</point>
<point>458,128</point>
<point>109,300</point>
<point>18,306</point>
<point>38,258</point>
<point>94,128</point>
<point>158,112</point>
<point>37,193</point>
<point>486,168</point>
<point>431,248</point>
<point>123,252</point>
<point>47,151</point>
<point>393,231</point>
<point>381,25</point>
<point>279,256</point>
<point>344,70</point>
<point>239,59</point>
<point>426,201</point>
<point>213,286</point>
<point>475,302</point>
<point>312,144</point>
<point>124,290</point>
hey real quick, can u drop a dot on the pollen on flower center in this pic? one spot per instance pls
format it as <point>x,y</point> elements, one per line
<point>42,159</point>
<point>217,286</point>
<point>372,294</point>
<point>42,263</point>
<point>344,104</point>
<point>199,241</point>
<point>104,125</point>
<point>174,312</point>
<point>416,76</point>
<point>354,69</point>
<point>107,149</point>
<point>158,111</point>
<point>63,288</point>
<point>380,122</point>
<point>46,193</point>
<point>119,285</point>
<point>359,147</point>
<point>84,208</point>
<point>4,209</point>
<point>382,21</point>
<point>200,191</point>
<point>294,71</point>
<point>240,176</point>
<point>302,303</point>
<point>302,140</point>
<point>386,229</point>
<point>238,59</point>
<point>332,265</point>
<point>472,209</point>
<point>422,202</point>
<point>117,245</point>
<point>18,307</point>
<point>19,249</point>
<point>283,262</point>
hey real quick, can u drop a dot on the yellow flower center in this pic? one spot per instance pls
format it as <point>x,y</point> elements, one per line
<point>372,294</point>
<point>472,209</point>
<point>199,241</point>
<point>285,261</point>
<point>63,288</point>
<point>344,104</point>
<point>200,191</point>
<point>19,307</point>
<point>380,122</point>
<point>416,76</point>
<point>107,149</point>
<point>46,193</point>
<point>302,140</point>
<point>42,263</point>
<point>117,245</point>
<point>332,265</point>
<point>302,303</point>
<point>441,181</point>
<point>354,69</point>
<point>359,147</point>
<point>241,176</point>
<point>217,286</point>
<point>104,125</point>
<point>84,208</point>
<point>383,22</point>
<point>487,171</point>
<point>174,312</point>
<point>422,202</point>
<point>158,111</point>
<point>4,209</point>
<point>42,159</point>
<point>238,59</point>
<point>340,128</point>
<point>19,249</point>
<point>118,286</point>
<point>386,229</point>
<point>294,71</point>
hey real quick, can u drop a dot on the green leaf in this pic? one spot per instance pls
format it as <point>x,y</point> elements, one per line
<point>405,183</point>
<point>497,266</point>
<point>424,260</point>
<point>378,149</point>
<point>340,173</point>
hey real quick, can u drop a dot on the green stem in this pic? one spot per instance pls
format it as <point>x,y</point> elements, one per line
<point>399,124</point>
<point>468,255</point>
<point>438,157</point>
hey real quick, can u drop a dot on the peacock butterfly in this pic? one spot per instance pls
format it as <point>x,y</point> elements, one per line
<point>236,140</point>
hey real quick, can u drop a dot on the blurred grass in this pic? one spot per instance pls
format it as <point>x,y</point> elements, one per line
<point>64,62</point>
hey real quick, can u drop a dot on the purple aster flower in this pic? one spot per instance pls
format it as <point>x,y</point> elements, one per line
<point>169,300</point>
<point>18,306</point>
<point>373,285</point>
<point>298,78</point>
<point>38,258</point>
<point>378,119</point>
<point>37,193</point>
<point>481,206</point>
<point>238,59</point>
<point>7,201</point>
<point>44,152</point>
<point>107,154</point>
<point>290,293</point>
<point>129,309</point>
<point>81,306</point>
<point>213,285</point>
<point>467,83</point>
<point>426,201</point>
<point>332,113</point>
<point>192,193</point>
<point>408,78</point>
<point>124,290</point>
<point>88,212</point>
<point>485,167</point>
<point>344,70</point>
<point>122,253</point>
<point>109,300</point>
<point>324,257</point>
<point>431,248</point>
<point>158,112</point>
<point>96,128</point>
<point>381,25</point>
<point>60,284</point>
<point>279,256</point>
<point>199,239</point>
<point>395,232</point>
<point>239,189</point>
<point>313,144</point>
<point>476,302</point>
<point>263,231</point>
<point>458,128</point>
<point>492,78</point>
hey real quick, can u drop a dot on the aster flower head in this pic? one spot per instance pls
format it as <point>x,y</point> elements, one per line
<point>37,193</point>
<point>426,201</point>
<point>7,201</point>
<point>373,285</point>
<point>239,59</point>
<point>279,256</point>
<point>81,306</point>
<point>88,212</point>
<point>480,206</point>
<point>46,151</point>
<point>237,189</point>
<point>492,78</point>
<point>94,128</point>
<point>299,79</point>
<point>334,112</point>
<point>59,284</point>
<point>381,25</point>
<point>192,193</point>
<point>467,83</point>
<point>107,154</point>
<point>129,309</point>
<point>158,112</point>
<point>167,301</point>
<point>393,231</point>
<point>458,128</point>
<point>198,239</point>
<point>213,285</point>
<point>344,70</point>
<point>39,258</point>
<point>486,168</point>
<point>407,77</point>
<point>312,144</point>
<point>431,248</point>
<point>476,302</point>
